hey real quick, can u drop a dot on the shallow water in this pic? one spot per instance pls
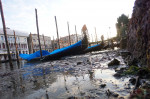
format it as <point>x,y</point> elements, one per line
<point>76,76</point>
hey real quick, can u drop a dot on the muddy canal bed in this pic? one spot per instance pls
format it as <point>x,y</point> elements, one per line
<point>83,76</point>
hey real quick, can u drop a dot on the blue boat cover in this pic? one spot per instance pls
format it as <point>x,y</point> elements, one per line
<point>44,53</point>
<point>34,55</point>
<point>93,46</point>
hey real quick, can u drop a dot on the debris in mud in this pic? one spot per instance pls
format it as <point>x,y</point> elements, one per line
<point>110,93</point>
<point>140,93</point>
<point>115,94</point>
<point>132,81</point>
<point>78,63</point>
<point>121,98</point>
<point>82,93</point>
<point>120,70</point>
<point>127,86</point>
<point>117,75</point>
<point>138,82</point>
<point>103,85</point>
<point>142,86</point>
<point>72,97</point>
<point>144,73</point>
<point>114,62</point>
<point>67,63</point>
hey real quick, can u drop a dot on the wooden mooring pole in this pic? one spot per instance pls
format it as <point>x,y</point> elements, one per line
<point>44,41</point>
<point>16,48</point>
<point>32,42</point>
<point>38,32</point>
<point>92,37</point>
<point>96,36</point>
<point>53,44</point>
<point>57,32</point>
<point>5,34</point>
<point>76,33</point>
<point>69,33</point>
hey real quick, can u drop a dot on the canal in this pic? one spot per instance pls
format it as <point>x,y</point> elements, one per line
<point>83,76</point>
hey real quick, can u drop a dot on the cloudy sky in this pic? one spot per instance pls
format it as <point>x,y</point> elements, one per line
<point>102,14</point>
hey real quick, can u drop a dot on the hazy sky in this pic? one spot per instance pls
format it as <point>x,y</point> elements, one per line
<point>102,14</point>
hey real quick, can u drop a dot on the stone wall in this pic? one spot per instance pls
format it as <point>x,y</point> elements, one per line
<point>139,31</point>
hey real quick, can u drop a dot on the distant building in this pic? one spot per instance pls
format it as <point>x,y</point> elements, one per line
<point>64,41</point>
<point>55,44</point>
<point>21,40</point>
<point>34,44</point>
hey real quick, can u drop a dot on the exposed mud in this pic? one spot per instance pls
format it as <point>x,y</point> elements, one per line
<point>81,76</point>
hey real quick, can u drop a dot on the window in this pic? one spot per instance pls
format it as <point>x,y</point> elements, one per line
<point>2,38</point>
<point>18,39</point>
<point>3,45</point>
<point>10,38</point>
<point>34,40</point>
<point>25,39</point>
<point>13,38</point>
<point>11,45</point>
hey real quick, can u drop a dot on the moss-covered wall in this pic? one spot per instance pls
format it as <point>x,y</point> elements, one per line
<point>139,31</point>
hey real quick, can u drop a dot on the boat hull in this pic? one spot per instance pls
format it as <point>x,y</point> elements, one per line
<point>67,52</point>
<point>97,47</point>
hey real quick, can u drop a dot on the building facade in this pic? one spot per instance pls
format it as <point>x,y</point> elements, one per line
<point>33,42</point>
<point>21,41</point>
<point>64,41</point>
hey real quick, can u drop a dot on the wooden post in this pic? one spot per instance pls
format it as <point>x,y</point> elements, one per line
<point>16,48</point>
<point>38,31</point>
<point>96,36</point>
<point>32,43</point>
<point>69,33</point>
<point>107,36</point>
<point>57,32</point>
<point>50,44</point>
<point>53,44</point>
<point>92,37</point>
<point>110,33</point>
<point>76,33</point>
<point>5,34</point>
<point>44,41</point>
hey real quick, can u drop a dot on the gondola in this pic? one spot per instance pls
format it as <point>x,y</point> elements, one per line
<point>66,51</point>
<point>97,47</point>
<point>57,54</point>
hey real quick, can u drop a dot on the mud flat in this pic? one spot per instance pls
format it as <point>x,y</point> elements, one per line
<point>82,76</point>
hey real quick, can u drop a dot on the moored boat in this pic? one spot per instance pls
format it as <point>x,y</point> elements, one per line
<point>97,47</point>
<point>57,54</point>
<point>66,51</point>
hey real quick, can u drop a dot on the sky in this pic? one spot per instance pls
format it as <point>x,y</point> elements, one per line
<point>99,14</point>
